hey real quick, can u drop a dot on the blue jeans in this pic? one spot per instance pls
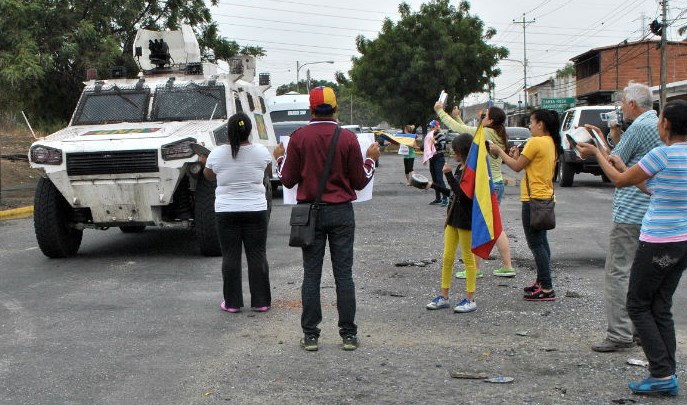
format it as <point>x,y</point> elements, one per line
<point>436,165</point>
<point>500,190</point>
<point>336,223</point>
<point>654,277</point>
<point>236,231</point>
<point>539,245</point>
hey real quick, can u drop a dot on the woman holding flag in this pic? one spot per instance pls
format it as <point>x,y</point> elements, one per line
<point>494,131</point>
<point>539,161</point>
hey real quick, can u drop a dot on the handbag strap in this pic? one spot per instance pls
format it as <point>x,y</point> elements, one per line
<point>327,165</point>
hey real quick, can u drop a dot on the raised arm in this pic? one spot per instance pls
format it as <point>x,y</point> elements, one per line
<point>455,125</point>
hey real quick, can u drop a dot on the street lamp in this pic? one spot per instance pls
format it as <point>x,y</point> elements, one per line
<point>524,67</point>
<point>300,65</point>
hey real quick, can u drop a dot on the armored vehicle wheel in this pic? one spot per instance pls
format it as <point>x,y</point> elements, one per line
<point>132,228</point>
<point>566,173</point>
<point>51,222</point>
<point>204,218</point>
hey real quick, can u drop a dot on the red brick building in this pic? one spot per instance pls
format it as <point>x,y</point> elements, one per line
<point>601,72</point>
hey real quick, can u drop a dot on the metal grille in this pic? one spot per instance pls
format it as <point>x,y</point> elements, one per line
<point>115,162</point>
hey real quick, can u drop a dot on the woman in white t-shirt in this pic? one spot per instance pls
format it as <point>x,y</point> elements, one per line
<point>241,213</point>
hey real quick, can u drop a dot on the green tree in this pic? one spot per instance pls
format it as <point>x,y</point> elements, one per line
<point>360,111</point>
<point>567,70</point>
<point>303,85</point>
<point>441,47</point>
<point>46,46</point>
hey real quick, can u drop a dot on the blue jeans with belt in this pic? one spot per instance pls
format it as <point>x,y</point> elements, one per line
<point>337,224</point>
<point>539,245</point>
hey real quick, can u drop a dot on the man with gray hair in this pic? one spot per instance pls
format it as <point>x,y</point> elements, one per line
<point>629,206</point>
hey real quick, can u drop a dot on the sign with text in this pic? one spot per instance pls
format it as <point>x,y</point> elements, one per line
<point>558,104</point>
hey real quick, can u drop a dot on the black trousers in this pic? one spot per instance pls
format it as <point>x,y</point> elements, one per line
<point>336,224</point>
<point>654,277</point>
<point>238,231</point>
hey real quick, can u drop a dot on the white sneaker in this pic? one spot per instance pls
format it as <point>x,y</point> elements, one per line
<point>465,306</point>
<point>438,303</point>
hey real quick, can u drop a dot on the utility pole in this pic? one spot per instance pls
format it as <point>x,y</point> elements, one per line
<point>524,23</point>
<point>664,55</point>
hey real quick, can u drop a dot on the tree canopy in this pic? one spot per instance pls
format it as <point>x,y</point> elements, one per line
<point>360,111</point>
<point>303,85</point>
<point>440,47</point>
<point>46,46</point>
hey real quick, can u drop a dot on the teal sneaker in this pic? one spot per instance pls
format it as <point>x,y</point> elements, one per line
<point>504,272</point>
<point>653,385</point>
<point>463,274</point>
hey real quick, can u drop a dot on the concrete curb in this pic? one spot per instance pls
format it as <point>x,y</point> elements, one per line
<point>17,213</point>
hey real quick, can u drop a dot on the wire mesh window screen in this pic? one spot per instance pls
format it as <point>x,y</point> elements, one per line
<point>190,102</point>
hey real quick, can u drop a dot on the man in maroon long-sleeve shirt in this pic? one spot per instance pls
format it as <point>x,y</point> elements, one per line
<point>303,165</point>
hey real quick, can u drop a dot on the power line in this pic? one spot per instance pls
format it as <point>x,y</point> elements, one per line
<point>300,12</point>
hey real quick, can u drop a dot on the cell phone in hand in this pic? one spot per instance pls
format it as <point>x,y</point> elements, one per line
<point>442,97</point>
<point>199,149</point>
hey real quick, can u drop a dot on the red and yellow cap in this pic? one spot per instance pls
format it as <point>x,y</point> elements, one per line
<point>322,99</point>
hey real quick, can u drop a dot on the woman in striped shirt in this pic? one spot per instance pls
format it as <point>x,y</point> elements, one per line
<point>661,256</point>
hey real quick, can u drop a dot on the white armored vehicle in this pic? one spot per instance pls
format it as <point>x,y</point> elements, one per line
<point>125,159</point>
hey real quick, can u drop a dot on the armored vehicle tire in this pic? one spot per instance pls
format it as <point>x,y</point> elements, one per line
<point>132,228</point>
<point>51,222</point>
<point>204,218</point>
<point>566,173</point>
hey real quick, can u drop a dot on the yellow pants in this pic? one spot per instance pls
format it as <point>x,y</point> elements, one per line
<point>452,237</point>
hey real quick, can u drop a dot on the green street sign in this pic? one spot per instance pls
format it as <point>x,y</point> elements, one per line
<point>557,104</point>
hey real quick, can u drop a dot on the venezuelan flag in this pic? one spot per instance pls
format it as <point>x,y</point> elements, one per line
<point>477,184</point>
<point>400,139</point>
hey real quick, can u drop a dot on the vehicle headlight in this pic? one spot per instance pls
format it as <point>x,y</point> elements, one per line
<point>45,155</point>
<point>178,150</point>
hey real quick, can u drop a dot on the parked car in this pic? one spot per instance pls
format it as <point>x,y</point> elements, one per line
<point>569,163</point>
<point>518,136</point>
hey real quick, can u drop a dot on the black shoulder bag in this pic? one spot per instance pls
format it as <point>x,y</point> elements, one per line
<point>304,216</point>
<point>542,215</point>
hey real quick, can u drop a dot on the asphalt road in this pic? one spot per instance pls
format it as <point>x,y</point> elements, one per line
<point>135,319</point>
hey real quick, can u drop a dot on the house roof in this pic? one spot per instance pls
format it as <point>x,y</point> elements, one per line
<point>623,44</point>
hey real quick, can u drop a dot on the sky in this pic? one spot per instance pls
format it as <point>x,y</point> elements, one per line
<point>307,31</point>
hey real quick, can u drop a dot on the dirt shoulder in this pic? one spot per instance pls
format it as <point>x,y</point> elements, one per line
<point>17,178</point>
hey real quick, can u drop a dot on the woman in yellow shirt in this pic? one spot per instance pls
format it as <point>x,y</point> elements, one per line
<point>539,161</point>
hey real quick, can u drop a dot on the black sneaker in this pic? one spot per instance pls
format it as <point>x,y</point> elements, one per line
<point>350,342</point>
<point>435,202</point>
<point>534,287</point>
<point>309,343</point>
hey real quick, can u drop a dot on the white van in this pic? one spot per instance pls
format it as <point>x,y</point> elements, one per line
<point>568,162</point>
<point>291,106</point>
